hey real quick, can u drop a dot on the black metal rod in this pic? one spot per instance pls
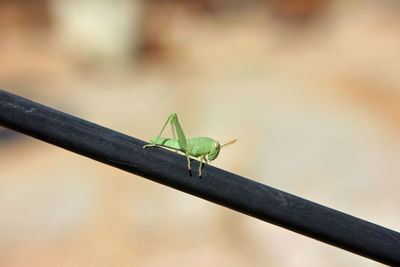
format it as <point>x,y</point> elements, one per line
<point>216,185</point>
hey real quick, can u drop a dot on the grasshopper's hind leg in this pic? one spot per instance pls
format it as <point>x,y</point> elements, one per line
<point>173,132</point>
<point>162,130</point>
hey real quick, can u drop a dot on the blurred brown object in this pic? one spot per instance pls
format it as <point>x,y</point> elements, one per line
<point>298,11</point>
<point>24,14</point>
<point>204,7</point>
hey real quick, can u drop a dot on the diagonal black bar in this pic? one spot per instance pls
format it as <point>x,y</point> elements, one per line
<point>219,186</point>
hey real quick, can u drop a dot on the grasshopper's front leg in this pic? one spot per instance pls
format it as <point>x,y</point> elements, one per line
<point>188,162</point>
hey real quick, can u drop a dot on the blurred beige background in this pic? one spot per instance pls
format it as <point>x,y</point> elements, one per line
<point>311,89</point>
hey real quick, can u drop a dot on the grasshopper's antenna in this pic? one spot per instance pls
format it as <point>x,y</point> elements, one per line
<point>229,143</point>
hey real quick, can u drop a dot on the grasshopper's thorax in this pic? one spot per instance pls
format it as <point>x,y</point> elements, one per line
<point>201,146</point>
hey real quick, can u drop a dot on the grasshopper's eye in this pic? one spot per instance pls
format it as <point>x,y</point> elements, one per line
<point>217,145</point>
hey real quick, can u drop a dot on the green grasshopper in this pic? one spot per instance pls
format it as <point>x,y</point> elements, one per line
<point>196,147</point>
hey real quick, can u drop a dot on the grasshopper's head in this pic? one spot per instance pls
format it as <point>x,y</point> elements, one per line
<point>216,148</point>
